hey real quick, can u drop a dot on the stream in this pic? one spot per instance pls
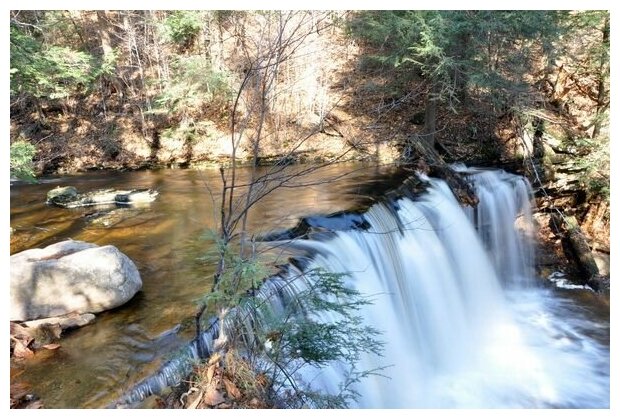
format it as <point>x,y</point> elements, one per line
<point>514,345</point>
<point>97,363</point>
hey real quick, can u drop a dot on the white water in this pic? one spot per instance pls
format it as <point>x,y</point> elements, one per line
<point>463,323</point>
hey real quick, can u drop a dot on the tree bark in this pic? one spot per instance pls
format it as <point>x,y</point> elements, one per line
<point>462,54</point>
<point>430,116</point>
<point>601,102</point>
<point>106,51</point>
<point>104,35</point>
<point>576,247</point>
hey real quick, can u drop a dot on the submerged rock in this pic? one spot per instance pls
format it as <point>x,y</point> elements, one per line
<point>62,195</point>
<point>68,197</point>
<point>70,276</point>
<point>111,218</point>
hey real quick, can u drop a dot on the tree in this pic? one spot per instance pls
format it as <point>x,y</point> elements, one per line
<point>47,72</point>
<point>580,89</point>
<point>457,54</point>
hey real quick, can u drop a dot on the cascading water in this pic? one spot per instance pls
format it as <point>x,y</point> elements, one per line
<point>463,322</point>
<point>504,200</point>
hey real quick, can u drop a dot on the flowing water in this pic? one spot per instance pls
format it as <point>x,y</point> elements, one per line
<point>464,320</point>
<point>97,363</point>
<point>464,324</point>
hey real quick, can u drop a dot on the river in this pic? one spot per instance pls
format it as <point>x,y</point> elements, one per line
<point>97,363</point>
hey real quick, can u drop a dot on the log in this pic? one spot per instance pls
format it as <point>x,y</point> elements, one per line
<point>461,189</point>
<point>577,249</point>
<point>581,248</point>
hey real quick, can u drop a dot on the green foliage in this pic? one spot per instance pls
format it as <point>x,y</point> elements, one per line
<point>194,85</point>
<point>22,153</point>
<point>239,273</point>
<point>182,27</point>
<point>108,64</point>
<point>51,72</point>
<point>595,164</point>
<point>318,326</point>
<point>487,52</point>
<point>575,25</point>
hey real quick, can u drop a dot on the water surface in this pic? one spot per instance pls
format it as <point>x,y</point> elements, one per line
<point>165,239</point>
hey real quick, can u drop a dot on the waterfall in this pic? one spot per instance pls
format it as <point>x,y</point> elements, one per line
<point>504,201</point>
<point>464,323</point>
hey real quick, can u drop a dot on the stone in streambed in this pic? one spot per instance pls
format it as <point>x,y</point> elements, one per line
<point>70,277</point>
<point>68,197</point>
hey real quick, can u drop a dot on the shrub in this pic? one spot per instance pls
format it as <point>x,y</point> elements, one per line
<point>22,153</point>
<point>182,27</point>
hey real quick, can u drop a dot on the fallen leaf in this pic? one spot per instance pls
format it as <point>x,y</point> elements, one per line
<point>210,373</point>
<point>22,351</point>
<point>262,380</point>
<point>196,402</point>
<point>51,346</point>
<point>18,392</point>
<point>231,389</point>
<point>257,404</point>
<point>20,331</point>
<point>213,397</point>
<point>214,358</point>
<point>22,334</point>
<point>37,404</point>
<point>22,398</point>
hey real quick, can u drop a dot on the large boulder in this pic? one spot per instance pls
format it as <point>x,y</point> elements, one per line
<point>70,277</point>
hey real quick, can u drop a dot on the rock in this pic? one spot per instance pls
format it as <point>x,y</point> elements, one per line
<point>70,276</point>
<point>457,182</point>
<point>60,195</point>
<point>576,248</point>
<point>599,283</point>
<point>68,197</point>
<point>69,321</point>
<point>138,196</point>
<point>44,333</point>
<point>111,218</point>
<point>602,261</point>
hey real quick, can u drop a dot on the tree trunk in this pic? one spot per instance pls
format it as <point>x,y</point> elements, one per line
<point>601,102</point>
<point>576,247</point>
<point>460,73</point>
<point>538,148</point>
<point>430,116</point>
<point>107,51</point>
<point>104,35</point>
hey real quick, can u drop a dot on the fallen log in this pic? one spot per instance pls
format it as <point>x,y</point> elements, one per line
<point>576,249</point>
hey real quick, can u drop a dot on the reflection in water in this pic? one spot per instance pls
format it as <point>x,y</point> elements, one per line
<point>98,362</point>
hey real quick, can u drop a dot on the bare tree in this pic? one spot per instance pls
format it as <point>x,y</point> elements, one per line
<point>254,111</point>
<point>269,56</point>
